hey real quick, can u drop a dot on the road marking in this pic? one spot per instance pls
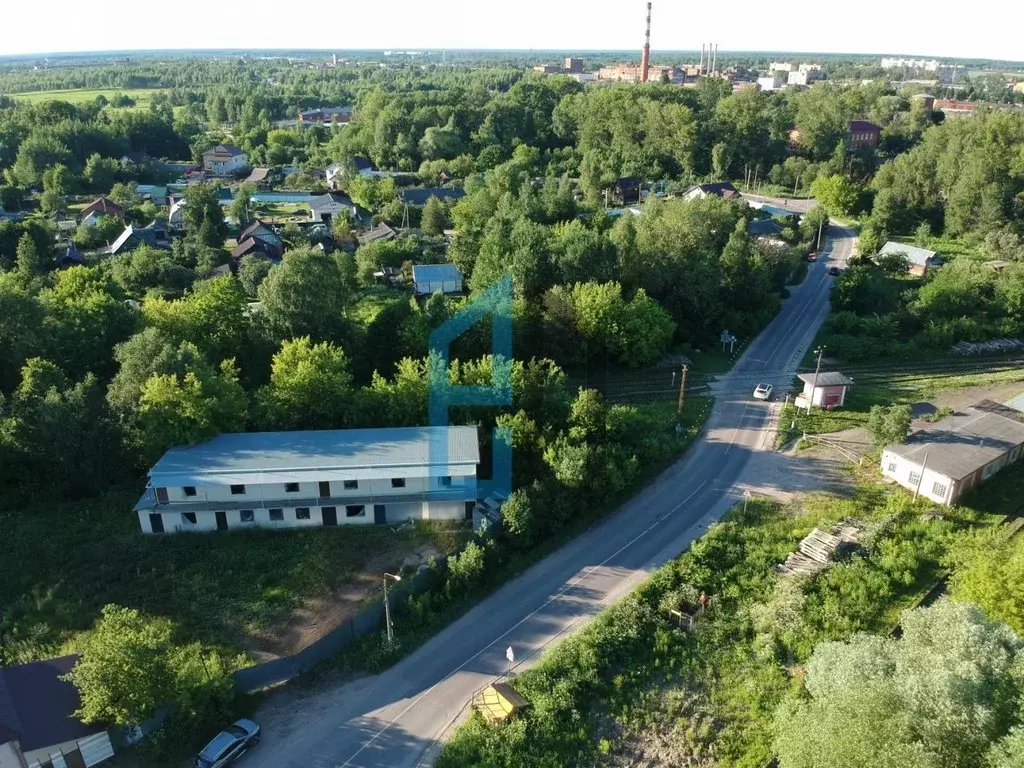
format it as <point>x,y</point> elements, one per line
<point>526,618</point>
<point>738,427</point>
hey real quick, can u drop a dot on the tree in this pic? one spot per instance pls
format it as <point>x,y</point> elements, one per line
<point>29,265</point>
<point>189,409</point>
<point>252,271</point>
<point>310,388</point>
<point>433,220</point>
<point>893,263</point>
<point>148,352</point>
<point>100,172</point>
<point>940,696</point>
<point>241,206</point>
<point>306,295</point>
<point>214,316</point>
<point>123,193</point>
<point>889,425</point>
<point>835,193</point>
<point>85,318</point>
<point>989,571</point>
<point>62,429</point>
<point>204,217</point>
<point>123,675</point>
<point>21,317</point>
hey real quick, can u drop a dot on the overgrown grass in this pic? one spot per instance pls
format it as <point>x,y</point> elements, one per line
<point>633,682</point>
<point>63,562</point>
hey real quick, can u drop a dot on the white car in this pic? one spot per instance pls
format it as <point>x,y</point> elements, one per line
<point>763,392</point>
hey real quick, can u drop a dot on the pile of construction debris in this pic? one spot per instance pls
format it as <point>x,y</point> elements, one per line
<point>818,549</point>
<point>988,347</point>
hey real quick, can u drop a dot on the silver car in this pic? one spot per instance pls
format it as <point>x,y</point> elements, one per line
<point>229,745</point>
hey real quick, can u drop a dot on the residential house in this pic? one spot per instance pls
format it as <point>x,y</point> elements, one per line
<point>380,232</point>
<point>101,206</point>
<point>176,217</point>
<point>153,193</point>
<point>318,478</point>
<point>325,115</point>
<point>826,390</point>
<point>920,259</point>
<point>420,195</point>
<point>942,461</point>
<point>255,246</point>
<point>38,728</point>
<point>71,257</point>
<point>263,234</point>
<point>222,270</point>
<point>154,234</point>
<point>764,228</point>
<point>722,189</point>
<point>336,172</point>
<point>330,206</point>
<point>862,135</point>
<point>261,178</point>
<point>953,108</point>
<point>225,160</point>
<point>428,279</point>
<point>627,190</point>
<point>390,276</point>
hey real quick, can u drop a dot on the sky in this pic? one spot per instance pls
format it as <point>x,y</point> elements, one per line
<point>862,26</point>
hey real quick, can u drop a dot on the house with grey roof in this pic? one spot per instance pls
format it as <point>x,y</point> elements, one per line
<point>154,234</point>
<point>825,389</point>
<point>919,259</point>
<point>380,232</point>
<point>313,479</point>
<point>225,160</point>
<point>327,207</point>
<point>942,461</point>
<point>38,728</point>
<point>428,279</point>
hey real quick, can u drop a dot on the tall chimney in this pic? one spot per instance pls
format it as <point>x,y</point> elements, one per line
<point>714,60</point>
<point>700,68</point>
<point>645,60</point>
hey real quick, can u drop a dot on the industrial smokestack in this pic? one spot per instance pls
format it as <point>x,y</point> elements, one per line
<point>645,60</point>
<point>700,67</point>
<point>714,60</point>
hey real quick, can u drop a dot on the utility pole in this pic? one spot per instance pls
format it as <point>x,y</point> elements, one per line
<point>818,245</point>
<point>387,607</point>
<point>814,386</point>
<point>682,391</point>
<point>917,488</point>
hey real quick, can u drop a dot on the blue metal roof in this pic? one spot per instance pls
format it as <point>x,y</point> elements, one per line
<point>436,273</point>
<point>255,457</point>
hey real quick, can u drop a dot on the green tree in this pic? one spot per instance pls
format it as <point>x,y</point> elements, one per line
<point>835,193</point>
<point>241,206</point>
<point>989,571</point>
<point>252,271</point>
<point>214,316</point>
<point>100,172</point>
<point>21,317</point>
<point>889,425</point>
<point>310,388</point>
<point>29,265</point>
<point>939,696</point>
<point>123,675</point>
<point>148,352</point>
<point>305,296</point>
<point>433,220</point>
<point>123,193</point>
<point>189,409</point>
<point>204,217</point>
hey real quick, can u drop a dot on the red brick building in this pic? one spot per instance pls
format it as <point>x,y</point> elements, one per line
<point>862,135</point>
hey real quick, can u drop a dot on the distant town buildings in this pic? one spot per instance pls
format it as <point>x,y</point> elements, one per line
<point>946,73</point>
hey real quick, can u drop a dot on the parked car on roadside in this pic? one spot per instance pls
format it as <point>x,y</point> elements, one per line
<point>812,256</point>
<point>834,271</point>
<point>229,745</point>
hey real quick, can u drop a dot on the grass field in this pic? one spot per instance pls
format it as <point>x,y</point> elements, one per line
<point>85,96</point>
<point>63,562</point>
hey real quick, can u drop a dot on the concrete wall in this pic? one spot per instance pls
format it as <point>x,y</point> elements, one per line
<point>394,512</point>
<point>899,469</point>
<point>275,492</point>
<point>11,757</point>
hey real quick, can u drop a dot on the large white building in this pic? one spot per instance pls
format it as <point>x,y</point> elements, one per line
<point>309,479</point>
<point>927,65</point>
<point>944,460</point>
<point>224,160</point>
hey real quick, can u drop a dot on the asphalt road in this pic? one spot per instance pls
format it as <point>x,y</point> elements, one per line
<point>398,718</point>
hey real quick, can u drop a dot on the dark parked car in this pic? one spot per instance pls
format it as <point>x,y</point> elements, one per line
<point>812,256</point>
<point>229,745</point>
<point>834,271</point>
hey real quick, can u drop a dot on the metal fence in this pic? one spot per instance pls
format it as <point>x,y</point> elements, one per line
<point>367,621</point>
